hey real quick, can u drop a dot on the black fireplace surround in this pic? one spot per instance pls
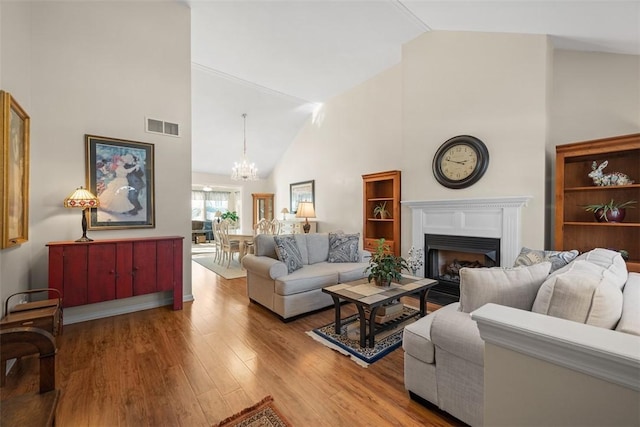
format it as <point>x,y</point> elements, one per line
<point>448,288</point>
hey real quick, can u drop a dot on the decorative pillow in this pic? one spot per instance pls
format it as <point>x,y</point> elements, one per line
<point>515,287</point>
<point>343,247</point>
<point>611,261</point>
<point>583,292</point>
<point>556,258</point>
<point>288,252</point>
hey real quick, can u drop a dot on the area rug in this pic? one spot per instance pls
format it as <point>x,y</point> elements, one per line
<point>262,414</point>
<point>233,272</point>
<point>203,248</point>
<point>385,342</point>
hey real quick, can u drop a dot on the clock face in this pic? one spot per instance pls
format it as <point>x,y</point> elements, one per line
<point>460,162</point>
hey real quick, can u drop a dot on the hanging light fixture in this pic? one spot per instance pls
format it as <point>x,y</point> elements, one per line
<point>244,171</point>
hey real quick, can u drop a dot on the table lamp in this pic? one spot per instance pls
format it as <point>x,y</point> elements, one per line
<point>84,199</point>
<point>306,211</point>
<point>284,213</point>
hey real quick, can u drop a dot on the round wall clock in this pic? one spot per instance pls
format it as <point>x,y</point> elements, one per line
<point>460,162</point>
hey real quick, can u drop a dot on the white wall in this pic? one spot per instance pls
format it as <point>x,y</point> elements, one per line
<point>488,85</point>
<point>97,68</point>
<point>356,133</point>
<point>15,78</point>
<point>512,91</point>
<point>491,86</point>
<point>595,95</point>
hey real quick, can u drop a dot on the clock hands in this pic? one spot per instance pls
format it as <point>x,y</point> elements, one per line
<point>454,161</point>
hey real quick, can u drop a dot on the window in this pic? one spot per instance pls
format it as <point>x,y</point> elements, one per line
<point>205,204</point>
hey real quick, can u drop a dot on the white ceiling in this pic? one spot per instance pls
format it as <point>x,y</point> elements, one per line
<point>278,60</point>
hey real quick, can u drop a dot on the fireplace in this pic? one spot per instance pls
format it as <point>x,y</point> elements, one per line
<point>493,218</point>
<point>446,254</point>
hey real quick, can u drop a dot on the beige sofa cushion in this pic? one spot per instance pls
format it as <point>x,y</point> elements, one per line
<point>515,287</point>
<point>587,291</point>
<point>630,320</point>
<point>611,261</point>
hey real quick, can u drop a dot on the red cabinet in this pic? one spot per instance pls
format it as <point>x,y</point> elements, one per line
<point>104,270</point>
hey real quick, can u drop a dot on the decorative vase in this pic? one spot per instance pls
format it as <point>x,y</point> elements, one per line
<point>612,215</point>
<point>384,283</point>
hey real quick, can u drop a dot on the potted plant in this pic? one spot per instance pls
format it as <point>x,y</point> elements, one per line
<point>381,209</point>
<point>610,212</point>
<point>232,216</point>
<point>384,266</point>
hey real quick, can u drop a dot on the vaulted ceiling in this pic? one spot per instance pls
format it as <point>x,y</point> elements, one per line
<point>277,61</point>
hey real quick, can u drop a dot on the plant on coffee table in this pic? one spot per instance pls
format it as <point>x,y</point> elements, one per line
<point>384,266</point>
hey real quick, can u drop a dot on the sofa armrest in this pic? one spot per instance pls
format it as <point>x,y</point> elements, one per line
<point>457,333</point>
<point>602,353</point>
<point>264,266</point>
<point>365,255</point>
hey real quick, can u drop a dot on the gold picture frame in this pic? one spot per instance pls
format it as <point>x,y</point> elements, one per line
<point>14,178</point>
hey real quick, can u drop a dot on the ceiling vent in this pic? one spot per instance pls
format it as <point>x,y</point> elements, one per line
<point>162,127</point>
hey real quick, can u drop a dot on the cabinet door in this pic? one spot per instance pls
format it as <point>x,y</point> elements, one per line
<point>74,281</point>
<point>144,267</point>
<point>124,270</point>
<point>102,273</point>
<point>165,265</point>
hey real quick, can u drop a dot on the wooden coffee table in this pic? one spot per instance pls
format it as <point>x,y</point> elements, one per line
<point>367,296</point>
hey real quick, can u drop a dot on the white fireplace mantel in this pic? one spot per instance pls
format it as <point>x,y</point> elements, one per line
<point>496,217</point>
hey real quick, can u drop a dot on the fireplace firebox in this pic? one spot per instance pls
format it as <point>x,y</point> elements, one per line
<point>446,254</point>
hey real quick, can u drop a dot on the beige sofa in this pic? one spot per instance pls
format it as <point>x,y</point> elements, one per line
<point>444,354</point>
<point>291,294</point>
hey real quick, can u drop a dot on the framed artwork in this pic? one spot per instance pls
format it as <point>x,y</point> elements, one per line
<point>120,173</point>
<point>301,192</point>
<point>14,179</point>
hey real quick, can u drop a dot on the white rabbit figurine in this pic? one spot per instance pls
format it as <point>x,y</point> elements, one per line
<point>613,178</point>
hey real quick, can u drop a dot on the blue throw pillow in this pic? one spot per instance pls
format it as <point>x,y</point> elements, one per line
<point>343,247</point>
<point>288,252</point>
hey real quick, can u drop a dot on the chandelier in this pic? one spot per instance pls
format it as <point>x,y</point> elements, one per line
<point>244,171</point>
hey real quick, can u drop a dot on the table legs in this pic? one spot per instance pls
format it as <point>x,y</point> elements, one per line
<point>336,303</point>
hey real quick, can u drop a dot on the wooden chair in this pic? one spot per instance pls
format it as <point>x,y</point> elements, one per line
<point>275,226</point>
<point>31,409</point>
<point>229,247</point>
<point>262,227</point>
<point>217,240</point>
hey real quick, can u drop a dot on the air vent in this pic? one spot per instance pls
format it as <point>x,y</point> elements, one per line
<point>162,127</point>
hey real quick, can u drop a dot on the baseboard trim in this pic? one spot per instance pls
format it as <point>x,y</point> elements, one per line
<point>71,318</point>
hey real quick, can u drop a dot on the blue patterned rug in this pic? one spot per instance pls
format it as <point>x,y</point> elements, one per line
<point>385,342</point>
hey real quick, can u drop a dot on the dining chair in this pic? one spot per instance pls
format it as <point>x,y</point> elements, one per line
<point>261,227</point>
<point>37,409</point>
<point>229,247</point>
<point>275,226</point>
<point>217,242</point>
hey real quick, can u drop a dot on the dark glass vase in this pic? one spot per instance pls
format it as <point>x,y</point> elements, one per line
<point>612,215</point>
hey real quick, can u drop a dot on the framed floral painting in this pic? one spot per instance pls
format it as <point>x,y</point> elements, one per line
<point>14,179</point>
<point>120,173</point>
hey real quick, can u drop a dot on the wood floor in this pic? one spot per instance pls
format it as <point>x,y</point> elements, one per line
<point>218,355</point>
